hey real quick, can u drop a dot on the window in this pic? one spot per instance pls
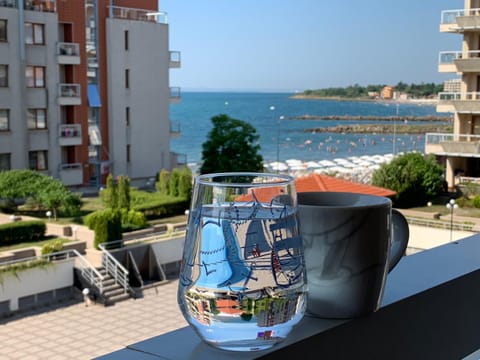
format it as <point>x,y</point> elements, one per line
<point>3,30</point>
<point>127,78</point>
<point>4,120</point>
<point>37,160</point>
<point>128,153</point>
<point>36,118</point>
<point>3,75</point>
<point>35,76</point>
<point>5,162</point>
<point>126,39</point>
<point>127,116</point>
<point>34,34</point>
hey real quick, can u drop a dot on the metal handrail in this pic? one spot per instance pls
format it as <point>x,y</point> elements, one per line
<point>468,96</point>
<point>115,269</point>
<point>448,57</point>
<point>439,224</point>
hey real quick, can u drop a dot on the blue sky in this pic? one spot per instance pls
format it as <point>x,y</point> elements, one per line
<point>288,45</point>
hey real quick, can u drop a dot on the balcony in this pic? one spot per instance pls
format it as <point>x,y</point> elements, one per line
<point>70,135</point>
<point>456,61</point>
<point>69,94</point>
<point>8,3</point>
<point>461,145</point>
<point>118,12</point>
<point>460,102</point>
<point>177,159</point>
<point>175,95</point>
<point>175,62</point>
<point>40,5</point>
<point>71,174</point>
<point>460,20</point>
<point>174,130</point>
<point>68,53</point>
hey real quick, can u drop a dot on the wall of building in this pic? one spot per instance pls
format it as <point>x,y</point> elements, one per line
<point>147,97</point>
<point>29,284</point>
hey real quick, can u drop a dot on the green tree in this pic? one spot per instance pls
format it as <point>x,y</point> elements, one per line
<point>162,183</point>
<point>107,225</point>
<point>109,195</point>
<point>17,184</point>
<point>415,178</point>
<point>123,192</point>
<point>51,194</point>
<point>173,182</point>
<point>232,145</point>
<point>38,189</point>
<point>185,183</point>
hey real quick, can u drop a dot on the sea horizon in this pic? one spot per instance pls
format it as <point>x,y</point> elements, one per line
<point>275,118</point>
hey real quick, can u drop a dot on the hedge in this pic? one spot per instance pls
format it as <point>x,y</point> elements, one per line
<point>155,210</point>
<point>22,231</point>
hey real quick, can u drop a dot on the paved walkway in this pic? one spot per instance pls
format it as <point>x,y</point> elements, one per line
<point>76,331</point>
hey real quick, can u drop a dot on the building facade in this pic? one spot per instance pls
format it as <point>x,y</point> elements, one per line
<point>84,89</point>
<point>460,151</point>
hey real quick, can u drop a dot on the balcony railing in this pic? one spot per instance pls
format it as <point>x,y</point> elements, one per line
<point>71,174</point>
<point>461,19</point>
<point>118,12</point>
<point>175,95</point>
<point>70,134</point>
<point>175,59</point>
<point>450,16</point>
<point>462,96</point>
<point>40,5</point>
<point>178,159</point>
<point>68,53</point>
<point>69,94</point>
<point>458,61</point>
<point>174,129</point>
<point>453,144</point>
<point>8,3</point>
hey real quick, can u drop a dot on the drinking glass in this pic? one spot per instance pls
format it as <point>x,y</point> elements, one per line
<point>242,283</point>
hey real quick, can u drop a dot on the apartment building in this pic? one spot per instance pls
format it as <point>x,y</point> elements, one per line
<point>84,89</point>
<point>460,151</point>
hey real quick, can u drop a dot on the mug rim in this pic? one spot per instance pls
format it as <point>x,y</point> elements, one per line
<point>283,179</point>
<point>380,201</point>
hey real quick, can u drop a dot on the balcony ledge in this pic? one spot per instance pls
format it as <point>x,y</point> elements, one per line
<point>429,310</point>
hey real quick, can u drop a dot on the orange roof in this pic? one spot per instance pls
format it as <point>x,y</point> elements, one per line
<point>317,182</point>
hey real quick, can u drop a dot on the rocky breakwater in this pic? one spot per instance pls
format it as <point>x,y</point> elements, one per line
<point>382,129</point>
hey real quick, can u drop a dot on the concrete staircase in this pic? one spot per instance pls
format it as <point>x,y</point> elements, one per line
<point>112,292</point>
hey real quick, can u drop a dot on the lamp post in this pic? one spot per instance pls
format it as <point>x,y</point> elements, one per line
<point>451,205</point>
<point>278,138</point>
<point>49,215</point>
<point>395,131</point>
<point>272,109</point>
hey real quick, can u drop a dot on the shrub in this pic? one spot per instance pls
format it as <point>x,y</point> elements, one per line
<point>52,247</point>
<point>162,184</point>
<point>415,178</point>
<point>476,201</point>
<point>22,231</point>
<point>132,220</point>
<point>107,225</point>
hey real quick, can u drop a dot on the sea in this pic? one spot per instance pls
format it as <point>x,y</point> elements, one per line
<point>283,136</point>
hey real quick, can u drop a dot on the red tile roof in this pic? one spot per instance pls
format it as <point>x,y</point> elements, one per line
<point>317,182</point>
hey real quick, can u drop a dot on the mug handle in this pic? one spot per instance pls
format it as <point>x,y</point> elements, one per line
<point>400,235</point>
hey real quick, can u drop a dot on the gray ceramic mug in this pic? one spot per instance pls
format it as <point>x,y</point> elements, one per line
<point>351,242</point>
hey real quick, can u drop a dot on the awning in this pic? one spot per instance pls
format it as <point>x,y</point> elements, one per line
<point>94,135</point>
<point>93,96</point>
